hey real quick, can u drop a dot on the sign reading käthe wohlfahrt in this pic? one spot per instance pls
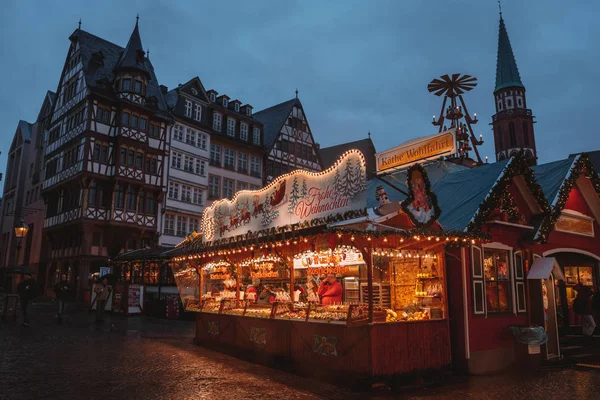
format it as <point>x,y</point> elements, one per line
<point>417,150</point>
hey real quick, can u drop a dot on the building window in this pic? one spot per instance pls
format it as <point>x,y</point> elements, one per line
<point>130,157</point>
<point>500,139</point>
<point>228,188</point>
<point>500,105</point>
<point>217,122</point>
<point>186,193</point>
<point>188,164</point>
<point>509,103</point>
<point>202,141</point>
<point>255,166</point>
<point>237,107</point>
<point>525,134</point>
<point>497,280</point>
<point>197,197</point>
<point>520,102</point>
<point>125,119</point>
<point>137,86</point>
<point>215,154</point>
<point>151,165</point>
<point>190,136</point>
<point>123,156</point>
<point>169,228</point>
<point>143,124</point>
<point>104,153</point>
<point>241,186</point>
<point>212,97</point>
<point>230,127</point>
<point>133,122</point>
<point>200,167</point>
<point>154,131</point>
<point>244,132</point>
<point>243,163</point>
<point>126,84</point>
<point>119,197</point>
<point>256,136</point>
<point>225,102</point>
<point>194,224</point>
<point>248,111</point>
<point>229,158</point>
<point>139,160</point>
<point>214,183</point>
<point>176,160</point>
<point>131,195</point>
<point>174,190</point>
<point>181,225</point>
<point>197,112</point>
<point>511,131</point>
<point>103,115</point>
<point>178,133</point>
<point>188,109</point>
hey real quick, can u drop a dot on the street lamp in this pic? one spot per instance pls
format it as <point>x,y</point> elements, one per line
<point>21,230</point>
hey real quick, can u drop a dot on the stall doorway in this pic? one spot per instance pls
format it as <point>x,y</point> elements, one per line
<point>577,268</point>
<point>552,346</point>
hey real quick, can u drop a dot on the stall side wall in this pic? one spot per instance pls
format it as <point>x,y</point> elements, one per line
<point>456,308</point>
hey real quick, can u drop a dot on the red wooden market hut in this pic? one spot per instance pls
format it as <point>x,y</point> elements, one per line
<point>304,271</point>
<point>568,234</point>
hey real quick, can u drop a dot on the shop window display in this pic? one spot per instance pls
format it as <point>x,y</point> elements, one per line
<point>497,280</point>
<point>330,286</point>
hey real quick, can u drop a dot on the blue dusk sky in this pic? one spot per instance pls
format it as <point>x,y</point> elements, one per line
<point>359,66</point>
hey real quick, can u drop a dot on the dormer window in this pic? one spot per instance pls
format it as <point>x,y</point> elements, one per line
<point>224,102</point>
<point>126,84</point>
<point>212,97</point>
<point>248,111</point>
<point>188,109</point>
<point>138,87</point>
<point>140,56</point>
<point>237,107</point>
<point>197,112</point>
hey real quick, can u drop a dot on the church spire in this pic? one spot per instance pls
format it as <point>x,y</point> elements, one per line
<point>507,73</point>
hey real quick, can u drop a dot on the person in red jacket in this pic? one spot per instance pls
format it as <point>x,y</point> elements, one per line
<point>330,291</point>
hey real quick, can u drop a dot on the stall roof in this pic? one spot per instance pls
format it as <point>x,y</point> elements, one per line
<point>551,176</point>
<point>435,171</point>
<point>542,267</point>
<point>145,254</point>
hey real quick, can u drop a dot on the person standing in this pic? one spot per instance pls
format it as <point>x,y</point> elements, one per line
<point>102,291</point>
<point>62,290</point>
<point>582,305</point>
<point>27,292</point>
<point>330,291</point>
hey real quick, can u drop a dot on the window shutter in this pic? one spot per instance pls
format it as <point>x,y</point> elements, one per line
<point>519,278</point>
<point>478,294</point>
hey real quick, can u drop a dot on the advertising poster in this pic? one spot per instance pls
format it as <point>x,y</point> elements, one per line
<point>135,299</point>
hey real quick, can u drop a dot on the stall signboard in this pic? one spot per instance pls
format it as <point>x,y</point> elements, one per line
<point>104,271</point>
<point>292,198</point>
<point>575,223</point>
<point>417,150</point>
<point>135,299</point>
<point>264,270</point>
<point>323,260</point>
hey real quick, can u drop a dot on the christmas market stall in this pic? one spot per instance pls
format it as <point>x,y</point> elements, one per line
<point>303,271</point>
<point>145,283</point>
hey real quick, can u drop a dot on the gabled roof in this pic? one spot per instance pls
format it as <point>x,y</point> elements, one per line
<point>329,155</point>
<point>507,73</point>
<point>273,119</point>
<point>594,157</point>
<point>23,134</point>
<point>46,105</point>
<point>557,179</point>
<point>461,194</point>
<point>134,51</point>
<point>96,73</point>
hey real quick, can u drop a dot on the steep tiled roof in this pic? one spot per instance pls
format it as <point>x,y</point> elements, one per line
<point>507,73</point>
<point>134,49</point>
<point>97,74</point>
<point>329,155</point>
<point>273,119</point>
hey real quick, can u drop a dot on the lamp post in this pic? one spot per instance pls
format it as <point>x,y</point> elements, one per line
<point>20,233</point>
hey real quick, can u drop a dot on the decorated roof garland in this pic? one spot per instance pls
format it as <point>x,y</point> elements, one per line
<point>580,164</point>
<point>516,167</point>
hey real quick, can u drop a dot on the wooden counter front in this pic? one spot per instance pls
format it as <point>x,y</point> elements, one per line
<point>376,350</point>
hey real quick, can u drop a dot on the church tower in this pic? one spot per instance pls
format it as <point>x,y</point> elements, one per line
<point>513,121</point>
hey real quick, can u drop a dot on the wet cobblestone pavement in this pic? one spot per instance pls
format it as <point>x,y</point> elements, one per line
<point>144,358</point>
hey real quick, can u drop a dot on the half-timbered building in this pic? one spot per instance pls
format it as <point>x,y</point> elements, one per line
<point>289,142</point>
<point>188,163</point>
<point>104,155</point>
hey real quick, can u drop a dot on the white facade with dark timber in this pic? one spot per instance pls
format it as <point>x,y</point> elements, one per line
<point>289,141</point>
<point>105,156</point>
